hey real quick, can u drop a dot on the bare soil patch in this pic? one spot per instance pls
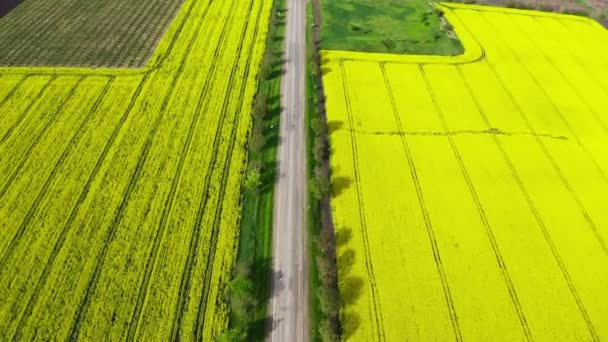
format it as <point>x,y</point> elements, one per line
<point>91,33</point>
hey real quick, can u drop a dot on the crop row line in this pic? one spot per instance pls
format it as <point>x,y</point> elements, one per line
<point>13,90</point>
<point>37,98</point>
<point>554,163</point>
<point>537,215</point>
<point>157,29</point>
<point>368,262</point>
<point>576,58</point>
<point>480,210</point>
<point>50,13</point>
<point>186,274</point>
<point>83,194</point>
<point>157,63</point>
<point>92,283</point>
<point>151,263</point>
<point>104,26</point>
<point>43,192</point>
<point>163,55</point>
<point>36,36</point>
<point>34,7</point>
<point>584,37</point>
<point>8,181</point>
<point>141,29</point>
<point>425,213</point>
<point>68,26</point>
<point>202,308</point>
<point>566,80</point>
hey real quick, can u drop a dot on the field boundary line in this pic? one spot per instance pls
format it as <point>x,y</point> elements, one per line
<point>427,219</point>
<point>202,308</point>
<point>368,263</point>
<point>554,163</point>
<point>109,238</point>
<point>480,210</point>
<point>43,191</point>
<point>539,219</point>
<point>83,194</point>
<point>25,112</point>
<point>25,156</point>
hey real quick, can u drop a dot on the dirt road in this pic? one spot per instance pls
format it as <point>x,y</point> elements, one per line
<point>289,302</point>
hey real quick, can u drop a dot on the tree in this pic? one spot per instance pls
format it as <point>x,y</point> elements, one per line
<point>266,69</point>
<point>256,142</point>
<point>327,331</point>
<point>260,106</point>
<point>253,179</point>
<point>319,187</point>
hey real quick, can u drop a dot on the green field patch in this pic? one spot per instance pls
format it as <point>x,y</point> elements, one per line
<point>394,26</point>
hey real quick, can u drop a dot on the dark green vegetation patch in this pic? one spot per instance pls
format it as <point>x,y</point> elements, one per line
<point>394,26</point>
<point>89,33</point>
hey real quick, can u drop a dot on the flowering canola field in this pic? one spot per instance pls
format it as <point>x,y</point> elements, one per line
<point>119,188</point>
<point>472,203</point>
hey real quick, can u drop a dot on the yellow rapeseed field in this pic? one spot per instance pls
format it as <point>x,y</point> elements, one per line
<point>476,185</point>
<point>120,188</point>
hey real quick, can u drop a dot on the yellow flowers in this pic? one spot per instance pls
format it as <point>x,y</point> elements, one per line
<point>476,184</point>
<point>119,189</point>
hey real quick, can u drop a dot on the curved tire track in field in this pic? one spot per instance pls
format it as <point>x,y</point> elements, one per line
<point>107,25</point>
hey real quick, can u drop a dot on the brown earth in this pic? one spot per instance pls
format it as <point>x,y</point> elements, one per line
<point>91,33</point>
